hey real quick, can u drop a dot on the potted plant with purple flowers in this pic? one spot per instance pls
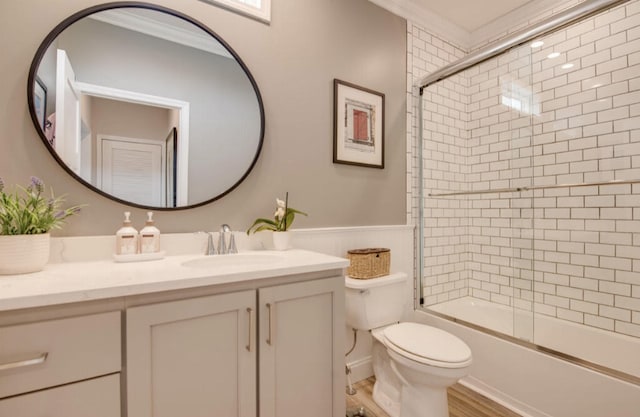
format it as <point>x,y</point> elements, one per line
<point>26,218</point>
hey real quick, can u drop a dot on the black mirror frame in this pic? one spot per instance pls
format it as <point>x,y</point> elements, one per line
<point>134,4</point>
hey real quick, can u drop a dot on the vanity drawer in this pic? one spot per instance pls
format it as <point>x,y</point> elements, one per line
<point>99,397</point>
<point>44,354</point>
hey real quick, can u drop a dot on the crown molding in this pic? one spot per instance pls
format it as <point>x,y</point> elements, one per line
<point>516,19</point>
<point>195,39</point>
<point>434,23</point>
<point>417,13</point>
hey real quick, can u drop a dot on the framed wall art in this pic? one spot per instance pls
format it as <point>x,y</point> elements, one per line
<point>358,125</point>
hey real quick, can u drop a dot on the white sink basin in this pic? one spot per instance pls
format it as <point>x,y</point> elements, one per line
<point>234,259</point>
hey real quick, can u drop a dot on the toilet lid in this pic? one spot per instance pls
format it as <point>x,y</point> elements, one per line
<point>428,345</point>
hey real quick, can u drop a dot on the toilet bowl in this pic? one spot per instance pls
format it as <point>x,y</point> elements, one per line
<point>413,363</point>
<point>426,360</point>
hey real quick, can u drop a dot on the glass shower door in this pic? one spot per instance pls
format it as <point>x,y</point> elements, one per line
<point>519,112</point>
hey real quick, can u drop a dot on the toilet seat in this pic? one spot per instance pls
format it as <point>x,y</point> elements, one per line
<point>427,345</point>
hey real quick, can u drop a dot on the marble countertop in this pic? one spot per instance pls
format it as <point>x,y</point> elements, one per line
<point>69,282</point>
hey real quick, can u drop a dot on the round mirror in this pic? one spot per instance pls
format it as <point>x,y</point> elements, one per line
<point>146,106</point>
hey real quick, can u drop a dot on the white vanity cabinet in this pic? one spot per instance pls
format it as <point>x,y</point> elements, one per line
<point>257,334</point>
<point>202,356</point>
<point>61,368</point>
<point>301,349</point>
<point>193,357</point>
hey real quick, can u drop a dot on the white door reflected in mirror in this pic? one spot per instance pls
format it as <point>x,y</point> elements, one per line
<point>132,169</point>
<point>67,136</point>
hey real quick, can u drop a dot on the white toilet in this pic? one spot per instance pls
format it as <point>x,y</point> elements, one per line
<point>413,363</point>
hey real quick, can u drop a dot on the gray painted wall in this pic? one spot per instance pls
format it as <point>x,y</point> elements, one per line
<point>294,61</point>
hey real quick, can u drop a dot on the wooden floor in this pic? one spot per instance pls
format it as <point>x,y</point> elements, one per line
<point>463,402</point>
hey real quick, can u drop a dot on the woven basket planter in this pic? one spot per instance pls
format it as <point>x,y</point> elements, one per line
<point>22,254</point>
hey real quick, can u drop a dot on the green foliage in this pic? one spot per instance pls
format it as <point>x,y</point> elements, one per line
<point>282,219</point>
<point>27,212</point>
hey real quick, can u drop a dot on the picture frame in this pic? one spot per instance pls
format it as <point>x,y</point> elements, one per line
<point>40,102</point>
<point>358,125</point>
<point>255,9</point>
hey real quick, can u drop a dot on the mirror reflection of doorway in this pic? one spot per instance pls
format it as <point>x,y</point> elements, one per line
<point>87,111</point>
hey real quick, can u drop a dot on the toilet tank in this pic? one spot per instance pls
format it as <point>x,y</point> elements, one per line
<point>375,302</point>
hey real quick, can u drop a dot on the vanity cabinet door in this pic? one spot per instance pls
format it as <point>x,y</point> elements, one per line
<point>301,349</point>
<point>193,358</point>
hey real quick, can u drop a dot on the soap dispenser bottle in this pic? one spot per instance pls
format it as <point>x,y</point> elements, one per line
<point>126,237</point>
<point>149,236</point>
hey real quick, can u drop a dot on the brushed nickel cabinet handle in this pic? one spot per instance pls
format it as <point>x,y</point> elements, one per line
<point>27,362</point>
<point>270,337</point>
<point>250,311</point>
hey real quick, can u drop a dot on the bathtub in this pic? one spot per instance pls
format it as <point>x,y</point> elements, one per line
<point>536,382</point>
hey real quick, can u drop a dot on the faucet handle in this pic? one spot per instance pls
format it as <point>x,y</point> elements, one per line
<point>211,249</point>
<point>232,244</point>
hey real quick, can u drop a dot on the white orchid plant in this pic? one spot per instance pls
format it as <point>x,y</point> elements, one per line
<point>282,218</point>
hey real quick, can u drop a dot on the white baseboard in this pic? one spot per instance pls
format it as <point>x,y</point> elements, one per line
<point>361,369</point>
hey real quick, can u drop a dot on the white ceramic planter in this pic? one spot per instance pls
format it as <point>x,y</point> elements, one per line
<point>281,240</point>
<point>21,254</point>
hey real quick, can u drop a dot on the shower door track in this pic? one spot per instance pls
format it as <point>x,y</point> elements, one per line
<point>534,187</point>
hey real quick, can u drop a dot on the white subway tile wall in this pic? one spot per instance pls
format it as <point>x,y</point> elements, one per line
<point>567,112</point>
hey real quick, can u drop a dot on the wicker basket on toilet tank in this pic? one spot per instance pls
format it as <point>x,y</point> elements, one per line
<point>369,263</point>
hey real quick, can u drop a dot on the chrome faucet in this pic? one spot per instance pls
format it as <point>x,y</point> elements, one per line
<point>211,250</point>
<point>222,243</point>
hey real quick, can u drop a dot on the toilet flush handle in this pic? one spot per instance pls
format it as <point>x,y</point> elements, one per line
<point>365,291</point>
